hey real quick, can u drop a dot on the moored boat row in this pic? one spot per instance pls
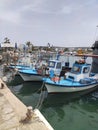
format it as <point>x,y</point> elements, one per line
<point>59,77</point>
<point>77,79</point>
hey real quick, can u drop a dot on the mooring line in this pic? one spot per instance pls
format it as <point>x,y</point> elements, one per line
<point>41,97</point>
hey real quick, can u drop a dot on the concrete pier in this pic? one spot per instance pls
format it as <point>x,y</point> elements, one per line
<point>13,112</point>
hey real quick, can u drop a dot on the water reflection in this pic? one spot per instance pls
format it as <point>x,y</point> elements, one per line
<point>63,98</point>
<point>30,87</point>
<point>22,89</point>
<point>17,80</point>
<point>61,110</point>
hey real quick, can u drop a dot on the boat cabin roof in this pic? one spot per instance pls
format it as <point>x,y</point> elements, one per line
<point>54,64</point>
<point>80,68</point>
<point>54,61</point>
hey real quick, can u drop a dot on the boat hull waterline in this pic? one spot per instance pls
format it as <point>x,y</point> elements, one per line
<point>59,89</point>
<point>33,77</point>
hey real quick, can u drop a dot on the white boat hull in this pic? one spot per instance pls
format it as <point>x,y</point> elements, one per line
<point>58,89</point>
<point>29,77</point>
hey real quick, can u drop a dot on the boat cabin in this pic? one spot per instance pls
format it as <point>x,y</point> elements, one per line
<point>79,71</point>
<point>55,65</point>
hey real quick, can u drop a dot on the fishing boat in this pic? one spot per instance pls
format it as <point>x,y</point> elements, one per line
<point>30,75</point>
<point>40,74</point>
<point>22,63</point>
<point>36,74</point>
<point>12,66</point>
<point>78,79</point>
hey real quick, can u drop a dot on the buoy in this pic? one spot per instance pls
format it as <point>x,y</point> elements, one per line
<point>55,78</point>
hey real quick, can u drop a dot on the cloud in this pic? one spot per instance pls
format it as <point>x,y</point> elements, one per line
<point>35,6</point>
<point>7,14</point>
<point>46,7</point>
<point>10,16</point>
<point>56,21</point>
<point>66,10</point>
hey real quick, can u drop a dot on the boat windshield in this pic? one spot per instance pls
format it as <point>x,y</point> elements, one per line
<point>58,65</point>
<point>51,64</point>
<point>76,69</point>
<point>86,69</point>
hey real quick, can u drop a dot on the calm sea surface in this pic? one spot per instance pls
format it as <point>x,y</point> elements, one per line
<point>63,112</point>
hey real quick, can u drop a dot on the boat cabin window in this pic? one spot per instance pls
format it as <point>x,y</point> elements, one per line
<point>86,69</point>
<point>76,69</point>
<point>58,65</point>
<point>51,64</point>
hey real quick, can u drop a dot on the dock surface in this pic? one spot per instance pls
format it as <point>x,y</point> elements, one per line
<point>12,111</point>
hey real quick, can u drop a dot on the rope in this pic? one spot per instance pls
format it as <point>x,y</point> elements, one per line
<point>41,97</point>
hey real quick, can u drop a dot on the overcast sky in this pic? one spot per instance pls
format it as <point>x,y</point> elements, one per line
<point>67,23</point>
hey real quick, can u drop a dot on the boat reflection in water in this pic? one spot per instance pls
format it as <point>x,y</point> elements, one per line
<point>28,92</point>
<point>15,80</point>
<point>63,98</point>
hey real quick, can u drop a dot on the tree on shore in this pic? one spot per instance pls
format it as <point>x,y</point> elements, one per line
<point>30,46</point>
<point>6,40</point>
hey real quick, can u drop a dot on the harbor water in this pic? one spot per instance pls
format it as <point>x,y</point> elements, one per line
<point>63,112</point>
